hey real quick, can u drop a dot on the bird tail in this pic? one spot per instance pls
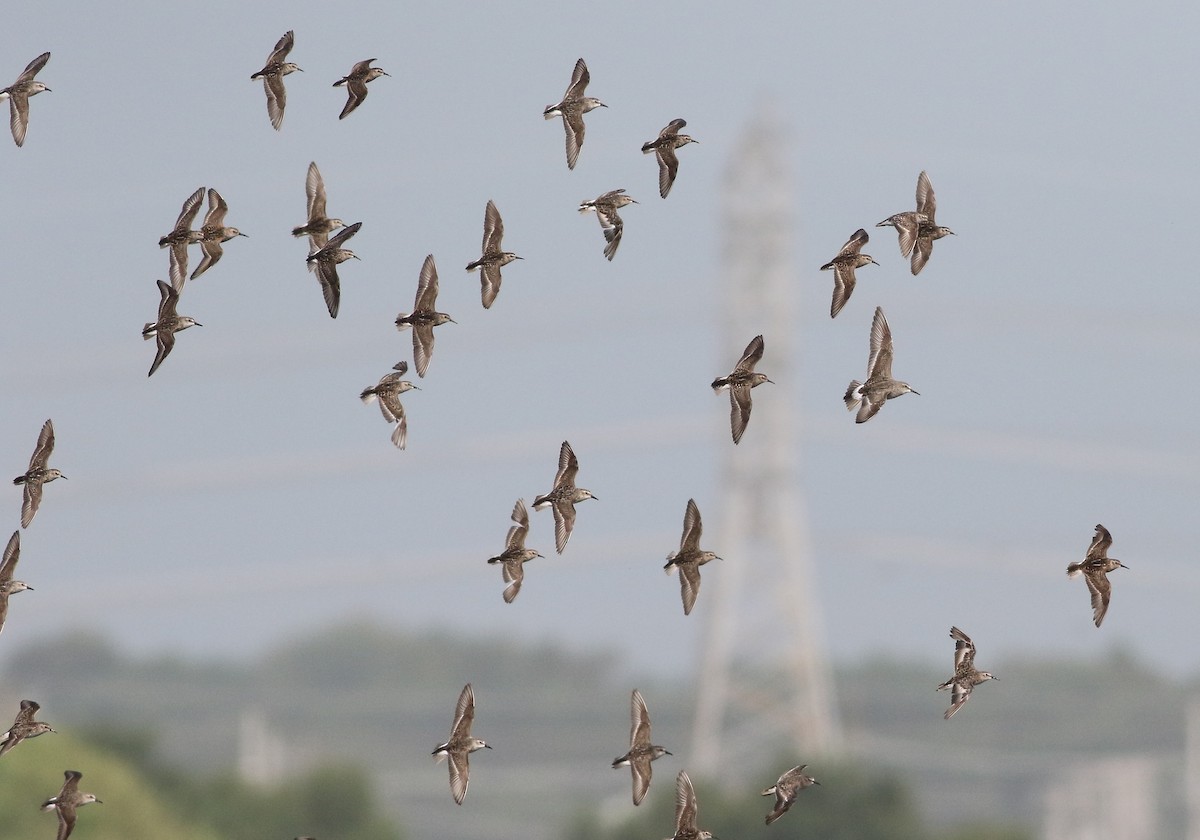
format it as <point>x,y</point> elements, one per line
<point>400,325</point>
<point>147,331</point>
<point>367,396</point>
<point>852,396</point>
<point>1074,570</point>
<point>585,206</point>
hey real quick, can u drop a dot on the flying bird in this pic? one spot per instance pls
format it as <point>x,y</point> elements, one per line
<point>325,260</point>
<point>685,811</point>
<point>181,236</point>
<point>8,567</point>
<point>606,207</point>
<point>424,316</point>
<point>319,226</point>
<point>739,382</point>
<point>563,497</point>
<point>786,789</point>
<point>868,397</point>
<point>641,751</point>
<point>966,677</point>
<point>1095,568</point>
<point>37,474</point>
<point>668,140</point>
<point>689,558</point>
<point>23,727</point>
<point>272,75</point>
<point>460,745</point>
<point>515,554</point>
<point>388,392</point>
<point>572,108</point>
<point>18,94</point>
<point>843,265</point>
<point>214,232</point>
<point>67,801</point>
<point>493,257</point>
<point>169,322</point>
<point>356,84</point>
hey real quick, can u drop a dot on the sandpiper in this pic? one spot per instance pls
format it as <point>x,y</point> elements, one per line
<point>515,554</point>
<point>460,744</point>
<point>641,751</point>
<point>564,496</point>
<point>927,228</point>
<point>1095,568</point>
<point>23,727</point>
<point>685,811</point>
<point>908,222</point>
<point>356,84</point>
<point>843,265</point>
<point>572,108</point>
<point>868,397</point>
<point>669,139</point>
<point>606,207</point>
<point>739,383</point>
<point>67,801</point>
<point>8,567</point>
<point>272,75</point>
<point>388,392</point>
<point>965,676</point>
<point>493,255</point>
<point>181,236</point>
<point>689,558</point>
<point>169,322</point>
<point>424,316</point>
<point>917,229</point>
<point>18,94</point>
<point>37,474</point>
<point>319,226</point>
<point>213,232</point>
<point>325,261</point>
<point>786,789</point>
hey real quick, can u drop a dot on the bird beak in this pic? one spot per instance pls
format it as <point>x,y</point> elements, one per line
<point>874,263</point>
<point>61,475</point>
<point>242,234</point>
<point>301,69</point>
<point>668,752</point>
<point>30,588</point>
<point>911,391</point>
<point>772,381</point>
<point>489,746</point>
<point>416,387</point>
<point>357,257</point>
<point>197,325</point>
<point>519,258</point>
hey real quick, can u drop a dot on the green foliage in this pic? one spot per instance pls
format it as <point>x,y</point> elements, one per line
<point>131,808</point>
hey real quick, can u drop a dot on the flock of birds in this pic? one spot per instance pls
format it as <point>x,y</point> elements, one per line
<point>917,230</point>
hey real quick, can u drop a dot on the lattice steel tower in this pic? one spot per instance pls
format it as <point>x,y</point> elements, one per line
<point>764,682</point>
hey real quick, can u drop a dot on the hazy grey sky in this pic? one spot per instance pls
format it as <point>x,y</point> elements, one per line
<point>243,493</point>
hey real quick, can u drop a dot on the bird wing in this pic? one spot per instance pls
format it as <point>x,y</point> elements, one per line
<point>579,80</point>
<point>314,190</point>
<point>12,553</point>
<point>32,68</point>
<point>516,533</point>
<point>493,228</point>
<point>926,202</point>
<point>464,714</point>
<point>879,363</point>
<point>689,585</point>
<point>739,410</point>
<point>564,523</point>
<point>282,47</point>
<point>1098,550</point>
<point>427,286</point>
<point>750,356</point>
<point>1101,589</point>
<point>690,541</point>
<point>45,445</point>
<point>568,466</point>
